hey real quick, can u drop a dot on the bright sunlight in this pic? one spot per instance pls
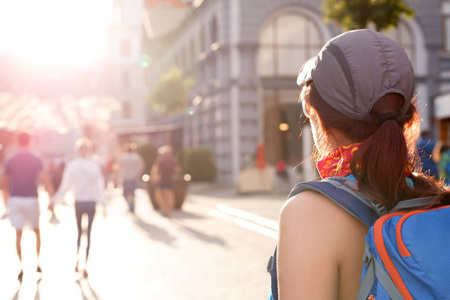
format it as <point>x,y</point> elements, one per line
<point>54,32</point>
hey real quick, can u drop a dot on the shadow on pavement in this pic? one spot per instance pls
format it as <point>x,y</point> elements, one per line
<point>232,194</point>
<point>37,295</point>
<point>201,235</point>
<point>154,232</point>
<point>16,294</point>
<point>180,214</point>
<point>87,292</point>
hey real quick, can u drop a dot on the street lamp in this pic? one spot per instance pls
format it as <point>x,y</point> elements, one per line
<point>284,127</point>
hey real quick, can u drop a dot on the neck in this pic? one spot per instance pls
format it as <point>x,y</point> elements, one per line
<point>339,139</point>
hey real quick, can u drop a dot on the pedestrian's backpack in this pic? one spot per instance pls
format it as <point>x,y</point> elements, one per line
<point>407,254</point>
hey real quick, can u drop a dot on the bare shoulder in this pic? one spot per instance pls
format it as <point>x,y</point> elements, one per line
<point>320,248</point>
<point>312,206</point>
<point>310,216</point>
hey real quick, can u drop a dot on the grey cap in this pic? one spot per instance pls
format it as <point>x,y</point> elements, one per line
<point>355,69</point>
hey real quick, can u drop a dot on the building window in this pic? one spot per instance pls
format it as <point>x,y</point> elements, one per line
<point>145,76</point>
<point>178,60</point>
<point>117,12</point>
<point>125,48</point>
<point>126,110</point>
<point>183,57</point>
<point>125,77</point>
<point>446,25</point>
<point>214,34</point>
<point>281,126</point>
<point>202,40</point>
<point>202,45</point>
<point>286,42</point>
<point>193,51</point>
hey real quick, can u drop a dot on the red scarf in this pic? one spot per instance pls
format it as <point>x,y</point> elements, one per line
<point>337,161</point>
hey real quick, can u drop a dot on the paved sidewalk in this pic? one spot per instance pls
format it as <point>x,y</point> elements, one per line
<point>129,253</point>
<point>266,205</point>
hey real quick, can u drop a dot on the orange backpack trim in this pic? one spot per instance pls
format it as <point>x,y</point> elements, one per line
<point>388,264</point>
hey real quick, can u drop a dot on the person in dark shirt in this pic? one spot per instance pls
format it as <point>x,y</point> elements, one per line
<point>22,174</point>
<point>425,147</point>
<point>163,175</point>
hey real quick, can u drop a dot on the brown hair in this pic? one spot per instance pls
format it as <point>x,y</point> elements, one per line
<point>84,144</point>
<point>387,150</point>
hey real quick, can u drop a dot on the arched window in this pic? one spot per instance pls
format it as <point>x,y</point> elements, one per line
<point>178,59</point>
<point>214,37</point>
<point>202,40</point>
<point>193,52</point>
<point>286,41</point>
<point>183,58</point>
<point>202,44</point>
<point>445,11</point>
<point>214,42</point>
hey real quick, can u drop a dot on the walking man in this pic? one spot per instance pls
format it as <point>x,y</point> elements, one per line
<point>163,175</point>
<point>23,173</point>
<point>131,166</point>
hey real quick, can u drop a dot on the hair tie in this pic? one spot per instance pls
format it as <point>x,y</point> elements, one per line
<point>393,116</point>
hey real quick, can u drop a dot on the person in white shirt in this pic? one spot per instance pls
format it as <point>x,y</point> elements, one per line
<point>84,178</point>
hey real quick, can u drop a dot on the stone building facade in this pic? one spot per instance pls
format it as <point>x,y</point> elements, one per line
<point>245,55</point>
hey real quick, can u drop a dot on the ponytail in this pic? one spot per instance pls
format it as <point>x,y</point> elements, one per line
<point>388,151</point>
<point>381,163</point>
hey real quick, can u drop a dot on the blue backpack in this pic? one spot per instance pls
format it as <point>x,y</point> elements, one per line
<point>407,253</point>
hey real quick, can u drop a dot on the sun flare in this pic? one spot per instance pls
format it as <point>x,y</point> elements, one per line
<point>55,32</point>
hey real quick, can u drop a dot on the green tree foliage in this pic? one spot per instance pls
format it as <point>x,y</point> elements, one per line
<point>358,14</point>
<point>169,95</point>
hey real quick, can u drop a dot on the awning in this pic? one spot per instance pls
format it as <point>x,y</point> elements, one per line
<point>146,129</point>
<point>442,106</point>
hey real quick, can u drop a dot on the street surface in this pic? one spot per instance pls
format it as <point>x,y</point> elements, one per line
<point>215,248</point>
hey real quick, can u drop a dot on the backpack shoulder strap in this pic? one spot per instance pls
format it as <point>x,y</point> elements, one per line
<point>414,203</point>
<point>342,191</point>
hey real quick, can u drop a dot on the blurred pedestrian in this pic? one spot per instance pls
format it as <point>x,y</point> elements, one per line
<point>84,177</point>
<point>163,176</point>
<point>23,173</point>
<point>425,146</point>
<point>441,155</point>
<point>5,211</point>
<point>282,176</point>
<point>131,166</point>
<point>108,172</point>
<point>444,164</point>
<point>56,169</point>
